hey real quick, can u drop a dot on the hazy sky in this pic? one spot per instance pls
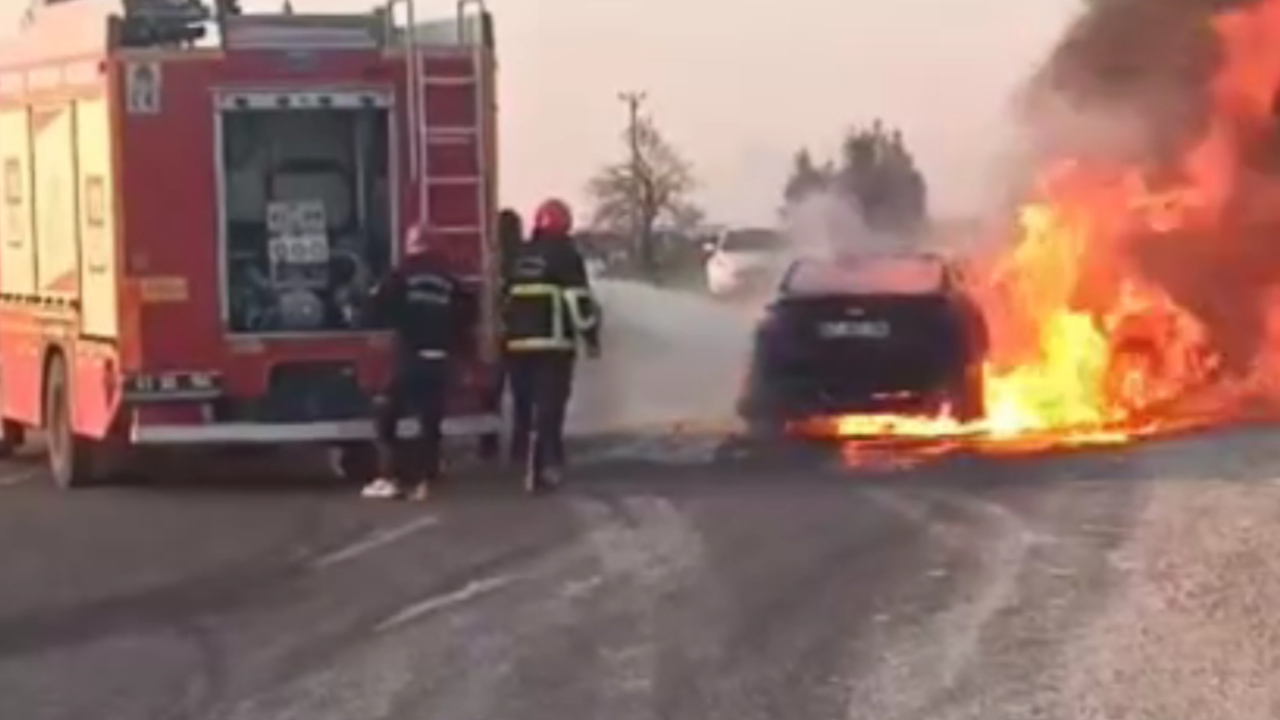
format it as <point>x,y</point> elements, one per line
<point>738,86</point>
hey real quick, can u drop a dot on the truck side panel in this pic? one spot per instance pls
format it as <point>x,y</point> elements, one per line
<point>96,366</point>
<point>17,252</point>
<point>95,383</point>
<point>53,126</point>
<point>20,336</point>
<point>21,345</point>
<point>100,302</point>
<point>55,151</point>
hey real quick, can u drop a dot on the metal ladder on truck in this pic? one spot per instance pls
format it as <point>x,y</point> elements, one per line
<point>450,160</point>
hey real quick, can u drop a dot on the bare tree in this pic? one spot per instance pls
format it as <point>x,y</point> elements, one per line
<point>649,188</point>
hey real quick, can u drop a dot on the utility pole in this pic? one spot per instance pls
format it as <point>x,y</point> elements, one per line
<point>634,100</point>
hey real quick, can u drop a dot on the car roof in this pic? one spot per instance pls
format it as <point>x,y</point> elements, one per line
<point>755,238</point>
<point>916,273</point>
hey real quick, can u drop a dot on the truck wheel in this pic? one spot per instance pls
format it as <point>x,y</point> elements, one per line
<point>70,457</point>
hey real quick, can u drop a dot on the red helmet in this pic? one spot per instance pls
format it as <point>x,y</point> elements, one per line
<point>553,218</point>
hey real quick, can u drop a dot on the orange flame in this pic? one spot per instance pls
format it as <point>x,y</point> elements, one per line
<point>1084,349</point>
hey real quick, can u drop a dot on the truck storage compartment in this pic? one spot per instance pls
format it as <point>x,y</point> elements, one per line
<point>307,209</point>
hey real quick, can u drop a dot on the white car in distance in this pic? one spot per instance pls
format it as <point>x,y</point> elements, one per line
<point>745,260</point>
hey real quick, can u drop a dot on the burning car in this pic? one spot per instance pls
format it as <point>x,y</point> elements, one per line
<point>866,334</point>
<point>1158,355</point>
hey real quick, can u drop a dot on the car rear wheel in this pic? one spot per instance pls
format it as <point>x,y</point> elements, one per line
<point>763,428</point>
<point>968,396</point>
<point>759,420</point>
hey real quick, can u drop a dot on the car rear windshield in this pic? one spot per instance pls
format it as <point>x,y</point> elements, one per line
<point>867,276</point>
<point>751,241</point>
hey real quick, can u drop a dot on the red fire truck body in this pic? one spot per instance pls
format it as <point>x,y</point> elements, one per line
<point>187,232</point>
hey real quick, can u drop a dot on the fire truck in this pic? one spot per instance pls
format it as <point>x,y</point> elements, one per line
<point>197,199</point>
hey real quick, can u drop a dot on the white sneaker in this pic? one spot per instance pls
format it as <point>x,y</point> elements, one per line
<point>381,489</point>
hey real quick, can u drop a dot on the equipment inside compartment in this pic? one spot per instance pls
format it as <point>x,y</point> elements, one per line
<point>308,216</point>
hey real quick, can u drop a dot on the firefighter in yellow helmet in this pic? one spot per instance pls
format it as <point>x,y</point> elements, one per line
<point>548,310</point>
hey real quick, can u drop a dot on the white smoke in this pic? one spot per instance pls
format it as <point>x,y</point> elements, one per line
<point>828,224</point>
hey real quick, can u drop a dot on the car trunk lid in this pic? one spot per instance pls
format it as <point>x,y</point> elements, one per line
<point>871,344</point>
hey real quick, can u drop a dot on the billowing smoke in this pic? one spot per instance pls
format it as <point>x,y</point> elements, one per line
<point>1127,81</point>
<point>827,223</point>
<point>1139,84</point>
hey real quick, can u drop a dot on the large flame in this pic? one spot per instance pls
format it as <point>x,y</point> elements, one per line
<point>1085,347</point>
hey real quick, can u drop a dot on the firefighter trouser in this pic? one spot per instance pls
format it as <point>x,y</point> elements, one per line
<point>521,416</point>
<point>490,443</point>
<point>522,406</point>
<point>419,389</point>
<point>541,383</point>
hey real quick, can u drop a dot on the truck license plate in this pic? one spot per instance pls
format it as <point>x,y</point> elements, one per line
<point>875,329</point>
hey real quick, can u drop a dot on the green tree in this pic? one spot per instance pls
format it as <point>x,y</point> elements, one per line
<point>651,186</point>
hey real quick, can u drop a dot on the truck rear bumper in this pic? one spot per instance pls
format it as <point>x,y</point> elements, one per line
<point>298,433</point>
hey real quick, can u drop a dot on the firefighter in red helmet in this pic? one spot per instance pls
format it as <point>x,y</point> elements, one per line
<point>548,311</point>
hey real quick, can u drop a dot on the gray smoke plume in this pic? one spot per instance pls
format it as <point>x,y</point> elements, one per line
<point>1127,80</point>
<point>828,223</point>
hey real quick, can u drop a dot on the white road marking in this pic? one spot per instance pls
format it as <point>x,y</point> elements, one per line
<point>375,541</point>
<point>578,589</point>
<point>467,592</point>
<point>20,477</point>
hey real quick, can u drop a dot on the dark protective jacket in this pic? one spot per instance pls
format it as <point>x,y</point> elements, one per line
<point>432,313</point>
<point>510,238</point>
<point>548,305</point>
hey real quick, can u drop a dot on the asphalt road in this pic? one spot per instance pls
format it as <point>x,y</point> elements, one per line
<point>677,576</point>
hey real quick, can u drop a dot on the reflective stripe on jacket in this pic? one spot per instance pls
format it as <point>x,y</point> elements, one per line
<point>548,304</point>
<point>582,309</point>
<point>542,326</point>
